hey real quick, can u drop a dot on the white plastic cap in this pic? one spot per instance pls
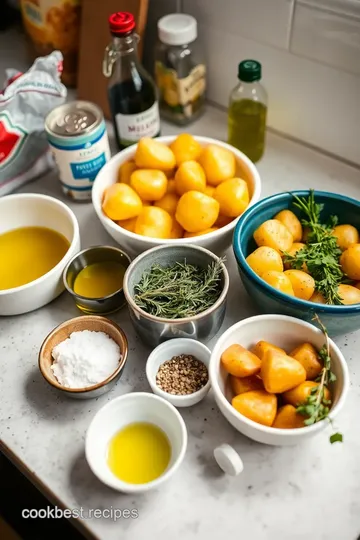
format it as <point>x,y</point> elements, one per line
<point>228,459</point>
<point>177,29</point>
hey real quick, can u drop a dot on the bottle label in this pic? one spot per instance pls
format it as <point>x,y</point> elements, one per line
<point>132,127</point>
<point>182,96</point>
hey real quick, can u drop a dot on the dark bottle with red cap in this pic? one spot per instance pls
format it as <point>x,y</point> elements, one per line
<point>132,92</point>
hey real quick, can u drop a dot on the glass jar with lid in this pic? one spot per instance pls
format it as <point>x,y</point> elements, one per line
<point>179,69</point>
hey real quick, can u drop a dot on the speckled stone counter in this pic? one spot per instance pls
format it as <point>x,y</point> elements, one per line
<point>308,491</point>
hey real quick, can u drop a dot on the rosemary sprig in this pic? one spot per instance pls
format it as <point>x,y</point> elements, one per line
<point>316,407</point>
<point>321,254</point>
<point>180,290</point>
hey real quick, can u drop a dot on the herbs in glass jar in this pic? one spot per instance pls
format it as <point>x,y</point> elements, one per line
<point>179,290</point>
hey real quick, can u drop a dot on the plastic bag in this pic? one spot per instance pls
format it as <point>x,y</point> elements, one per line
<point>24,105</point>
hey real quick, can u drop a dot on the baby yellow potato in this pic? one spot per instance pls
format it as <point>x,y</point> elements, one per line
<point>346,235</point>
<point>152,154</point>
<point>154,222</point>
<point>176,230</point>
<point>303,284</point>
<point>318,298</point>
<point>168,202</point>
<point>279,281</point>
<point>149,184</point>
<point>190,176</point>
<point>349,294</point>
<point>350,262</point>
<point>209,190</point>
<point>291,222</point>
<point>185,148</point>
<point>171,187</point>
<point>125,171</point>
<point>218,163</point>
<point>297,246</point>
<point>274,234</point>
<point>264,259</point>
<point>196,211</point>
<point>233,197</point>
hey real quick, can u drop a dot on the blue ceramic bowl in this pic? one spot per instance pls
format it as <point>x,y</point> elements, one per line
<point>338,319</point>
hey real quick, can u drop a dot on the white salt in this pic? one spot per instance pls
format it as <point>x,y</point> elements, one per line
<point>85,358</point>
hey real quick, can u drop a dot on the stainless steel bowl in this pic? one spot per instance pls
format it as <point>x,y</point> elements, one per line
<point>92,306</point>
<point>155,330</point>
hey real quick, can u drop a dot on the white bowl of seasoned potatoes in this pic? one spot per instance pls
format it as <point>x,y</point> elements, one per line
<point>263,370</point>
<point>186,189</point>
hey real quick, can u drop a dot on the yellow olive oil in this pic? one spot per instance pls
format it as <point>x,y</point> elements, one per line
<point>247,111</point>
<point>28,253</point>
<point>247,123</point>
<point>139,453</point>
<point>99,279</point>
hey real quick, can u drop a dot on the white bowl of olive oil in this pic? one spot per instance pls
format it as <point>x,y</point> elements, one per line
<point>38,237</point>
<point>136,442</point>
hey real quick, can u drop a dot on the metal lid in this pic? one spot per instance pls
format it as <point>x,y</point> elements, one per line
<point>73,119</point>
<point>228,459</point>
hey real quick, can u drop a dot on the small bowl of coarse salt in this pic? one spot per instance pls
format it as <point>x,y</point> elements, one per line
<point>84,357</point>
<point>177,370</point>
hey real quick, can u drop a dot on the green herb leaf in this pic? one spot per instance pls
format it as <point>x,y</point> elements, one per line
<point>180,290</point>
<point>321,254</point>
<point>336,437</point>
<point>316,407</point>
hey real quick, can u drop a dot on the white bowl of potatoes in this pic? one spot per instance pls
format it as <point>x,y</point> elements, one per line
<point>136,195</point>
<point>263,368</point>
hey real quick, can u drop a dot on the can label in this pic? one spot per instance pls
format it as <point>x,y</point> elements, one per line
<point>132,127</point>
<point>79,159</point>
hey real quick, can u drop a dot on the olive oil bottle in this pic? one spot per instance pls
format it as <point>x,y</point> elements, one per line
<point>132,92</point>
<point>247,111</point>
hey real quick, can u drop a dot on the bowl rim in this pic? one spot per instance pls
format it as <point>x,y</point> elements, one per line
<point>173,398</point>
<point>118,484</point>
<point>293,432</point>
<point>135,307</point>
<point>168,139</point>
<point>69,322</point>
<point>74,240</point>
<point>271,291</point>
<point>71,291</point>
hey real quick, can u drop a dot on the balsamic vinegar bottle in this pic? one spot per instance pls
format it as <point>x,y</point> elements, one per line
<point>132,92</point>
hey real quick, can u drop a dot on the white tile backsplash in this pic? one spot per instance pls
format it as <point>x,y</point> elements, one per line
<point>327,37</point>
<point>347,7</point>
<point>310,53</point>
<point>307,100</point>
<point>266,21</point>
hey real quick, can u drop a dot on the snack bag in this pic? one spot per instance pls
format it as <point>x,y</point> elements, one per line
<point>24,105</point>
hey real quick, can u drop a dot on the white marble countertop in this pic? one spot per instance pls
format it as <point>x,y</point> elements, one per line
<point>311,490</point>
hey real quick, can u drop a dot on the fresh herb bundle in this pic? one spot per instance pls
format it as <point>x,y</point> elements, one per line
<point>180,290</point>
<point>321,254</point>
<point>316,407</point>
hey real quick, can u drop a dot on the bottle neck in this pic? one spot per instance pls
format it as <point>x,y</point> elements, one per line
<point>120,47</point>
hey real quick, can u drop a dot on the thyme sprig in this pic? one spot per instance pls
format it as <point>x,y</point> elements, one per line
<point>321,254</point>
<point>316,407</point>
<point>180,290</point>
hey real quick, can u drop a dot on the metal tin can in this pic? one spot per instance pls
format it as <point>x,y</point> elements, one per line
<point>78,139</point>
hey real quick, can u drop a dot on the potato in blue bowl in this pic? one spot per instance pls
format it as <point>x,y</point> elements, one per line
<point>339,319</point>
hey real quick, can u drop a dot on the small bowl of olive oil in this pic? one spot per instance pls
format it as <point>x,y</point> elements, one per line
<point>94,278</point>
<point>136,442</point>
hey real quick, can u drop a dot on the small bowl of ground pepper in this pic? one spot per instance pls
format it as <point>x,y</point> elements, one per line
<point>177,370</point>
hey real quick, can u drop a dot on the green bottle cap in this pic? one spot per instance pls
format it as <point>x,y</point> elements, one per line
<point>249,71</point>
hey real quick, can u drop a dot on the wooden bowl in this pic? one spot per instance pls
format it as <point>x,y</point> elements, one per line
<point>60,333</point>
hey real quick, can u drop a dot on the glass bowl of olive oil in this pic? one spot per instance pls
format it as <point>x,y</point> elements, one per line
<point>94,278</point>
